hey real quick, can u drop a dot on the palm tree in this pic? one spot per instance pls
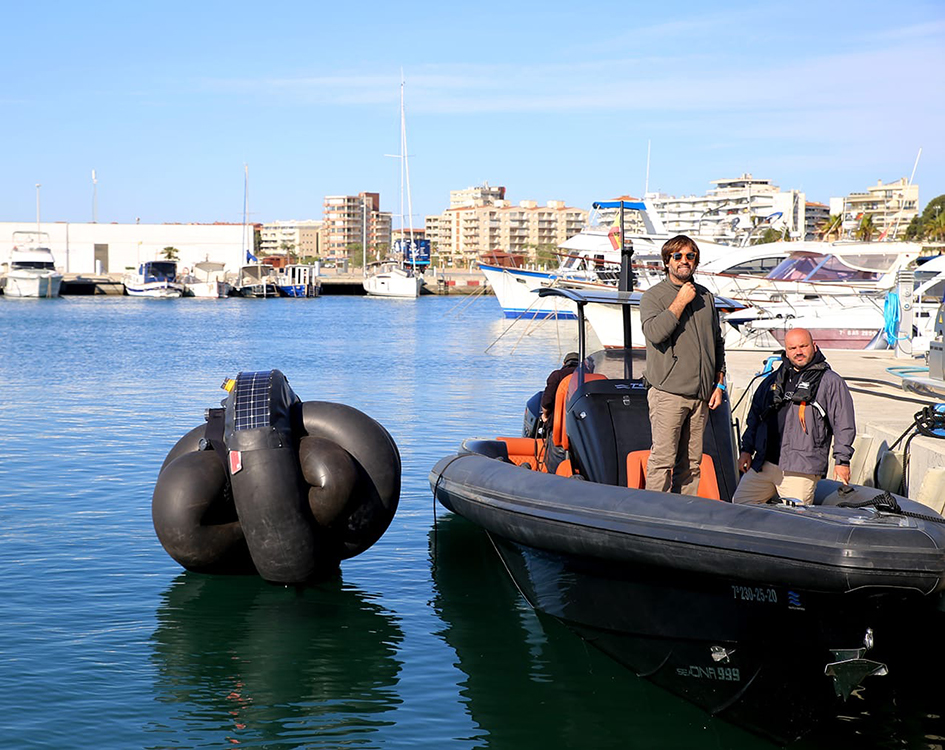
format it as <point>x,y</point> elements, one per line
<point>935,228</point>
<point>170,253</point>
<point>830,226</point>
<point>867,228</point>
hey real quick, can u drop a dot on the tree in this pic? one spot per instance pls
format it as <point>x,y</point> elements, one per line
<point>935,228</point>
<point>831,226</point>
<point>170,253</point>
<point>918,227</point>
<point>866,229</point>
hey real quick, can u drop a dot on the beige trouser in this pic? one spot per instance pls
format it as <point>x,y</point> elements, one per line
<point>677,424</point>
<point>761,486</point>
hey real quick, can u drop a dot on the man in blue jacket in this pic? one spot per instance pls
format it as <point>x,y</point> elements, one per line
<point>794,414</point>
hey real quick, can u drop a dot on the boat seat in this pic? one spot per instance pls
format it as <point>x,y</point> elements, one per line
<point>559,432</point>
<point>527,452</point>
<point>708,482</point>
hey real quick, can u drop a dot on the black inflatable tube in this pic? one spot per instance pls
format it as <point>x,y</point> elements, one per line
<point>271,483</point>
<point>378,463</point>
<point>193,519</point>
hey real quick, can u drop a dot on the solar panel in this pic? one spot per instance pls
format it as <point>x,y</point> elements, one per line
<point>251,400</point>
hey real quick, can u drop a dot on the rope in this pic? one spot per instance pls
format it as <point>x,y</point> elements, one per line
<point>885,502</point>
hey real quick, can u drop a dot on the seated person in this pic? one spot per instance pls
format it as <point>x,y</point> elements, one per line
<point>794,414</point>
<point>571,361</point>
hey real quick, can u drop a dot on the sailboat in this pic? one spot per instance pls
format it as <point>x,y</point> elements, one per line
<point>399,276</point>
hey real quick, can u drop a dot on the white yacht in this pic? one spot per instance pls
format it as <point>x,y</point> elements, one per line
<point>592,257</point>
<point>30,269</point>
<point>154,278</point>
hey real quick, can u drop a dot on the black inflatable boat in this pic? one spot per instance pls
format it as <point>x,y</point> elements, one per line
<point>765,615</point>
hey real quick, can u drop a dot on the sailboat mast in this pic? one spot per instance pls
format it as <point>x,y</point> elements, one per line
<point>406,176</point>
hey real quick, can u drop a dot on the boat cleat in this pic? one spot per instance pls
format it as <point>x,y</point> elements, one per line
<point>721,654</point>
<point>850,668</point>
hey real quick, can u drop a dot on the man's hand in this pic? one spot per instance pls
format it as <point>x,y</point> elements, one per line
<point>685,295</point>
<point>716,398</point>
<point>842,473</point>
<point>744,462</point>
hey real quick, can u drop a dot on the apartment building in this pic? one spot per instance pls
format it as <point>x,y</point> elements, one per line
<point>815,216</point>
<point>729,211</point>
<point>302,239</point>
<point>465,232</point>
<point>353,221</point>
<point>892,206</point>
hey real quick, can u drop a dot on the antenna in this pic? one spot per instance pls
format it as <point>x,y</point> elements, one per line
<point>245,200</point>
<point>38,186</point>
<point>94,198</point>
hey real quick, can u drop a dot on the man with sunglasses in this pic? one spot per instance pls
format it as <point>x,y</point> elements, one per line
<point>685,368</point>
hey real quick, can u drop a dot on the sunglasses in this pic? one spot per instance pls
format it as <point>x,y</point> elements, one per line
<point>679,256</point>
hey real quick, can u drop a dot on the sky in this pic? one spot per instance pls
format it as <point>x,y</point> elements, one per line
<point>169,101</point>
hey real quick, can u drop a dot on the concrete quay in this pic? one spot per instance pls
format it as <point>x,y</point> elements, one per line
<point>884,411</point>
<point>333,283</point>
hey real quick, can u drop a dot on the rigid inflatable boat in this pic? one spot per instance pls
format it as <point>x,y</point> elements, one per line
<point>767,615</point>
<point>270,483</point>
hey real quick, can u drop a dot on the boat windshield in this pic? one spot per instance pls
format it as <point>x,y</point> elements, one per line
<point>613,364</point>
<point>819,267</point>
<point>160,271</point>
<point>38,265</point>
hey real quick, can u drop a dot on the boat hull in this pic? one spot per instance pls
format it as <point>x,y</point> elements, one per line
<point>18,284</point>
<point>393,283</point>
<point>727,605</point>
<point>154,291</point>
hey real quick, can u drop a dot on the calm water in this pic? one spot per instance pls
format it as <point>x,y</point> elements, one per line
<point>422,642</point>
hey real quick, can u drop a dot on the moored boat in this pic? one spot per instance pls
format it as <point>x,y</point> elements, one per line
<point>764,615</point>
<point>154,278</point>
<point>31,269</point>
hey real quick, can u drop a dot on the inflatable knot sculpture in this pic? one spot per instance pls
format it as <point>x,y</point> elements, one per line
<point>272,483</point>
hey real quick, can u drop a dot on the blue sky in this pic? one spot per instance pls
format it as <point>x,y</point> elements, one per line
<point>556,101</point>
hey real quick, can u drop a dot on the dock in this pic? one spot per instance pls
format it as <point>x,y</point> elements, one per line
<point>332,283</point>
<point>885,419</point>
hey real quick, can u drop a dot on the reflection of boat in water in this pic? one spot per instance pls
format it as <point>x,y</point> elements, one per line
<point>728,606</point>
<point>242,658</point>
<point>527,681</point>
<point>31,269</point>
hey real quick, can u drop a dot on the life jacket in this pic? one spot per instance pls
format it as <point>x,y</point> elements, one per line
<point>803,391</point>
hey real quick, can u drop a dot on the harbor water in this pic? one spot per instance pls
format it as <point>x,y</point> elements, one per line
<point>422,641</point>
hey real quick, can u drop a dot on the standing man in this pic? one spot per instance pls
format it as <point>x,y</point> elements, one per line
<point>685,367</point>
<point>794,413</point>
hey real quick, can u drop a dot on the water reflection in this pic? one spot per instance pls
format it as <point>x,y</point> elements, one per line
<point>529,682</point>
<point>242,661</point>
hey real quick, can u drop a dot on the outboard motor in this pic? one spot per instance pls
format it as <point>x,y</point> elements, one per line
<point>272,483</point>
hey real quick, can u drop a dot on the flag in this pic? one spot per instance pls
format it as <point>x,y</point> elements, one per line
<point>614,236</point>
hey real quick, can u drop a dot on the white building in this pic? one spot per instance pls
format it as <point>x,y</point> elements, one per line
<point>891,205</point>
<point>731,209</point>
<point>117,248</point>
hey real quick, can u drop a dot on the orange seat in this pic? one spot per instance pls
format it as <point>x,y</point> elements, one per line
<point>527,451</point>
<point>708,483</point>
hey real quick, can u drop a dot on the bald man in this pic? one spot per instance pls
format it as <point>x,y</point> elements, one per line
<point>794,414</point>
